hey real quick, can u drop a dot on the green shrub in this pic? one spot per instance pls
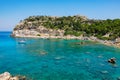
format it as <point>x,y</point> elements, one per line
<point>38,35</point>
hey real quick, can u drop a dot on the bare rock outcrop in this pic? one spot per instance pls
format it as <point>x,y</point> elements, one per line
<point>8,76</point>
<point>41,31</point>
<point>5,76</point>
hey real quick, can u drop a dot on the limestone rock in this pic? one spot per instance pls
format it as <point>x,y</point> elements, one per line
<point>5,76</point>
<point>8,76</point>
<point>20,77</point>
<point>14,78</point>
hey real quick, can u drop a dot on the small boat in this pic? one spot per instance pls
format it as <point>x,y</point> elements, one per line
<point>22,42</point>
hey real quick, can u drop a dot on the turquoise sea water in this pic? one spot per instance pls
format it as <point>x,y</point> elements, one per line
<point>57,59</point>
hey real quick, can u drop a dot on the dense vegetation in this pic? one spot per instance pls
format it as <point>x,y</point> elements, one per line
<point>76,25</point>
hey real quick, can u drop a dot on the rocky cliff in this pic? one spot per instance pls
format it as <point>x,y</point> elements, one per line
<point>40,31</point>
<point>46,26</point>
<point>70,27</point>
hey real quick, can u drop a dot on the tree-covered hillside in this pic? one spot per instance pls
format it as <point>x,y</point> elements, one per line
<point>75,25</point>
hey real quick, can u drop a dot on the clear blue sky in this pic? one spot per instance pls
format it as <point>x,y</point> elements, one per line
<point>12,11</point>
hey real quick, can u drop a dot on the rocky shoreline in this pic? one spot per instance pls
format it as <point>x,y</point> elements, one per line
<point>8,76</point>
<point>59,34</point>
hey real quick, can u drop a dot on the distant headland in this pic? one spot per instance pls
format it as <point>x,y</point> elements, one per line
<point>70,27</point>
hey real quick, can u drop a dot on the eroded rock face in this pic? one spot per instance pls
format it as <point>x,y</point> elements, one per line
<point>8,76</point>
<point>40,31</point>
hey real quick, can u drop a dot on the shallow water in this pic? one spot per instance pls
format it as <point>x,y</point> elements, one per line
<point>57,59</point>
